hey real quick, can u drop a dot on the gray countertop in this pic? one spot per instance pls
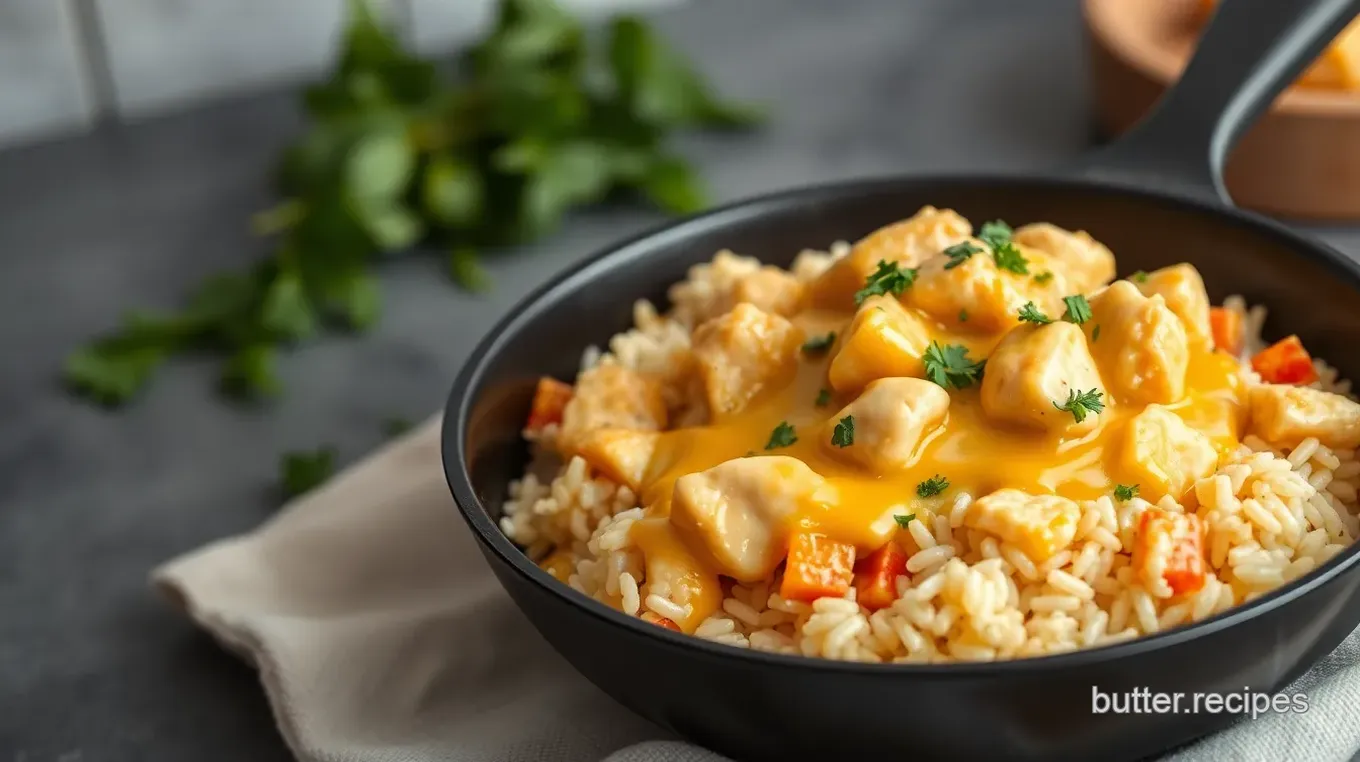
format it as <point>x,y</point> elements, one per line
<point>92,666</point>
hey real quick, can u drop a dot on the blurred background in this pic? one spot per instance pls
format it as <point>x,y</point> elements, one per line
<point>140,141</point>
<point>66,65</point>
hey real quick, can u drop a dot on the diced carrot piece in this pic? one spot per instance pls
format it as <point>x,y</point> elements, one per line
<point>876,578</point>
<point>1170,545</point>
<point>1285,362</point>
<point>1226,325</point>
<point>660,621</point>
<point>817,567</point>
<point>550,398</point>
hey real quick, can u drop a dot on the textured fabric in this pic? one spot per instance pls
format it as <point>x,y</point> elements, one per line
<point>381,636</point>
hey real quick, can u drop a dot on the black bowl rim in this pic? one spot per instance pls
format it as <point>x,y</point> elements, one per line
<point>455,418</point>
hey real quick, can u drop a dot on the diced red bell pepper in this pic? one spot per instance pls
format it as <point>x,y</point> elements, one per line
<point>1285,362</point>
<point>1226,326</point>
<point>876,577</point>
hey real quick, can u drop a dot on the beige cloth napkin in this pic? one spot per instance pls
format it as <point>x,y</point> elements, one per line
<point>381,635</point>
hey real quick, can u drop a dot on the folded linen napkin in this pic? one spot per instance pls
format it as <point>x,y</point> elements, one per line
<point>381,635</point>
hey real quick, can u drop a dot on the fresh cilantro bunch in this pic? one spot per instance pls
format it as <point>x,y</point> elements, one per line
<point>537,121</point>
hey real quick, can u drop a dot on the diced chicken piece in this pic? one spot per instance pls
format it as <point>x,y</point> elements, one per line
<point>772,290</point>
<point>883,340</point>
<point>1183,289</point>
<point>707,290</point>
<point>1087,263</point>
<point>610,396</point>
<point>1163,455</point>
<point>739,511</point>
<point>742,352</point>
<point>621,454</point>
<point>1038,525</point>
<point>891,417</point>
<point>1168,552</point>
<point>908,243</point>
<point>1035,368</point>
<point>1142,349</point>
<point>1285,415</point>
<point>991,297</point>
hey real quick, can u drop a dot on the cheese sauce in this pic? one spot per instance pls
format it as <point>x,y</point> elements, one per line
<point>975,453</point>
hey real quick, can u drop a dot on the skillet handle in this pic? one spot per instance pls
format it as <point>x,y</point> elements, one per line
<point>1250,52</point>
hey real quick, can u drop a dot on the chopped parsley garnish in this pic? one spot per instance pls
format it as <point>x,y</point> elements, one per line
<point>904,519</point>
<point>823,397</point>
<point>949,365</point>
<point>1095,333</point>
<point>959,253</point>
<point>1031,314</point>
<point>844,433</point>
<point>819,344</point>
<point>1139,277</point>
<point>889,278</point>
<point>782,436</point>
<point>1043,277</point>
<point>963,316</point>
<point>1078,309</point>
<point>1080,403</point>
<point>1125,491</point>
<point>303,471</point>
<point>997,234</point>
<point>932,486</point>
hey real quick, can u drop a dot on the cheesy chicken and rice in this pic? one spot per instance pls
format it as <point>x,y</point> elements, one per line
<point>938,444</point>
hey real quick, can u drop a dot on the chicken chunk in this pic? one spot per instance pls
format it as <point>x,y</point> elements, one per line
<point>621,454</point>
<point>891,418</point>
<point>610,396</point>
<point>742,352</point>
<point>772,290</point>
<point>1183,289</point>
<point>883,340</point>
<point>908,243</point>
<point>1142,349</point>
<point>1035,368</point>
<point>991,297</point>
<point>1087,263</point>
<point>739,511</point>
<point>1285,415</point>
<point>1040,526</point>
<point>1163,455</point>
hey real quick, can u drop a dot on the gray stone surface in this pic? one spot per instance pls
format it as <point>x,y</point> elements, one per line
<point>92,667</point>
<point>41,84</point>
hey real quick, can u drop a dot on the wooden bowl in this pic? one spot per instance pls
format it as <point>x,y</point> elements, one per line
<point>1302,159</point>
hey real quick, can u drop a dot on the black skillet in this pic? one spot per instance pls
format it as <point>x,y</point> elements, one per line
<point>1156,198</point>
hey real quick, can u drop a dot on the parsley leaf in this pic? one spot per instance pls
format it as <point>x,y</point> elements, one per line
<point>1095,333</point>
<point>819,344</point>
<point>1139,277</point>
<point>889,278</point>
<point>949,365</point>
<point>959,253</point>
<point>1043,277</point>
<point>1030,314</point>
<point>1006,255</point>
<point>1125,491</point>
<point>904,519</point>
<point>843,435</point>
<point>782,436</point>
<point>1080,403</point>
<point>823,398</point>
<point>932,486</point>
<point>535,120</point>
<point>305,470</point>
<point>1078,309</point>
<point>963,316</point>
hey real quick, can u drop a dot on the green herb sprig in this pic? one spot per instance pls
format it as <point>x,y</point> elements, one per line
<point>535,123</point>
